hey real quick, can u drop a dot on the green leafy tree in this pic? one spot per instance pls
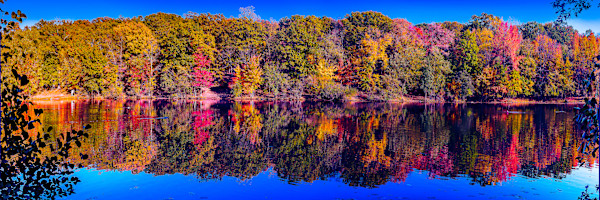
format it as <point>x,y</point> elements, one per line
<point>301,38</point>
<point>531,30</point>
<point>468,54</point>
<point>434,75</point>
<point>178,39</point>
<point>484,21</point>
<point>357,24</point>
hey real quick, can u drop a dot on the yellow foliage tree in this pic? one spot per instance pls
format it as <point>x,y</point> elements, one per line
<point>325,74</point>
<point>372,60</point>
<point>141,45</point>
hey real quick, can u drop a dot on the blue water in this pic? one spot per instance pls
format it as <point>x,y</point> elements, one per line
<point>266,185</point>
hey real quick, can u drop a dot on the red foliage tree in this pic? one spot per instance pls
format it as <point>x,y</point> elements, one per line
<point>203,78</point>
<point>506,42</point>
<point>437,38</point>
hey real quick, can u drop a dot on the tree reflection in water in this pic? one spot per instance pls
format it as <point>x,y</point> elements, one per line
<point>361,144</point>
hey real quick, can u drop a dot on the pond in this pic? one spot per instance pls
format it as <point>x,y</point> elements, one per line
<point>162,149</point>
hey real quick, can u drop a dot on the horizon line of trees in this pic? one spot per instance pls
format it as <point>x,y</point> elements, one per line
<point>365,53</point>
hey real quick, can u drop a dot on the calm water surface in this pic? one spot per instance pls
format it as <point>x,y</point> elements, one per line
<point>266,150</point>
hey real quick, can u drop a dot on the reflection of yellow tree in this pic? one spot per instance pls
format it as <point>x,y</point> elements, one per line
<point>375,151</point>
<point>138,155</point>
<point>484,167</point>
<point>368,129</point>
<point>205,153</point>
<point>248,121</point>
<point>326,127</point>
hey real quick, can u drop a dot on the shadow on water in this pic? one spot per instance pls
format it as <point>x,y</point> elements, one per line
<point>36,164</point>
<point>360,144</point>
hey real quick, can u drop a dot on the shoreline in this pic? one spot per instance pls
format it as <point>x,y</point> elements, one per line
<point>516,101</point>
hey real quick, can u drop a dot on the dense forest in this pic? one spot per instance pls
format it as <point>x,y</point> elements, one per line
<point>365,55</point>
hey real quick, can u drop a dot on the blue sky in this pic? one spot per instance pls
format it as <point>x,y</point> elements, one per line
<point>516,11</point>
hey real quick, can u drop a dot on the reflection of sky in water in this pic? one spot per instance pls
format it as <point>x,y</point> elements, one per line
<point>266,185</point>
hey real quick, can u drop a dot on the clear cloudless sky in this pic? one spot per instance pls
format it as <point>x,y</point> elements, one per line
<point>425,11</point>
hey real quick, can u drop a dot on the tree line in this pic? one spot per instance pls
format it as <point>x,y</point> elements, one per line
<point>365,55</point>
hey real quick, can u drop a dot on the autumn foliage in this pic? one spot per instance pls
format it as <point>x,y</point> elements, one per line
<point>203,78</point>
<point>365,54</point>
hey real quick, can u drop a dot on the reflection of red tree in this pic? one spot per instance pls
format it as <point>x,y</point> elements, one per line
<point>401,171</point>
<point>202,120</point>
<point>137,119</point>
<point>437,162</point>
<point>346,126</point>
<point>510,164</point>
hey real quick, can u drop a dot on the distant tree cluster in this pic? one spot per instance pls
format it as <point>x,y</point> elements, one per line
<point>366,54</point>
